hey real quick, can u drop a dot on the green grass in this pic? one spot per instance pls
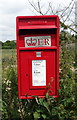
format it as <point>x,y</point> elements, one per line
<point>8,53</point>
<point>8,57</point>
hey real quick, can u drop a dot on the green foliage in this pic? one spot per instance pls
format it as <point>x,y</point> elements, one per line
<point>10,101</point>
<point>49,108</point>
<point>9,44</point>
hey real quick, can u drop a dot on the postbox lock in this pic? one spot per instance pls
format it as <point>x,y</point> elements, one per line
<point>26,74</point>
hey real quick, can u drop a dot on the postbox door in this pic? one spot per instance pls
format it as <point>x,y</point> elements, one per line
<point>37,74</point>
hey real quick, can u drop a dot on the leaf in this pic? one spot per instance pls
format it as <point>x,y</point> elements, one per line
<point>46,105</point>
<point>44,116</point>
<point>37,100</point>
<point>47,95</point>
<point>41,101</point>
<point>36,115</point>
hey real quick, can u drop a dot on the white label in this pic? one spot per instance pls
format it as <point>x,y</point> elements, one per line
<point>39,41</point>
<point>38,72</point>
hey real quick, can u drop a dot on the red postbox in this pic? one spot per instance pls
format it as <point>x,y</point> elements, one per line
<point>37,55</point>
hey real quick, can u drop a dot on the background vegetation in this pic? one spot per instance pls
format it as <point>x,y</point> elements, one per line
<point>8,44</point>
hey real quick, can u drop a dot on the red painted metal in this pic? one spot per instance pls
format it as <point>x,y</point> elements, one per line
<point>33,26</point>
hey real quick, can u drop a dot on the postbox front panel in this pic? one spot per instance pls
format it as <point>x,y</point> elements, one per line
<point>37,74</point>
